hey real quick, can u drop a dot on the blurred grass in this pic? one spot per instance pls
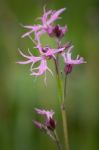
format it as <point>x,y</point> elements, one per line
<point>19,94</point>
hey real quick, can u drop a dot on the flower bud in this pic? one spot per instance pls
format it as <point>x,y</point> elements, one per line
<point>68,68</point>
<point>51,124</point>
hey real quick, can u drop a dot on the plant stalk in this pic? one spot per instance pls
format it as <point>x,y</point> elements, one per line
<point>57,141</point>
<point>62,97</point>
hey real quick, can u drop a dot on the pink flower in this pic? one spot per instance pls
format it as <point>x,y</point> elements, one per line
<point>45,54</point>
<point>49,121</point>
<point>69,62</point>
<point>47,19</point>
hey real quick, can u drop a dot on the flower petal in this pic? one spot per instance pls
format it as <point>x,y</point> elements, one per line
<point>69,60</point>
<point>31,58</point>
<point>41,69</point>
<point>55,15</point>
<point>48,114</point>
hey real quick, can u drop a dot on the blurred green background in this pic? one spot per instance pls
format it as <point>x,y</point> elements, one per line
<point>20,94</point>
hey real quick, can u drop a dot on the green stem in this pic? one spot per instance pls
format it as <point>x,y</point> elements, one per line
<point>57,141</point>
<point>65,116</point>
<point>65,86</point>
<point>62,96</point>
<point>59,83</point>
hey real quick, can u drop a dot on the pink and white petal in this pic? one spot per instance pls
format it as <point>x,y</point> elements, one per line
<point>32,58</point>
<point>34,27</point>
<point>70,49</point>
<point>52,52</point>
<point>68,57</point>
<point>69,60</point>
<point>24,62</point>
<point>40,71</point>
<point>38,34</point>
<point>37,124</point>
<point>42,68</point>
<point>55,15</point>
<point>64,56</point>
<point>58,50</point>
<point>48,114</point>
<point>40,111</point>
<point>31,67</point>
<point>27,34</point>
<point>45,16</point>
<point>22,54</point>
<point>50,71</point>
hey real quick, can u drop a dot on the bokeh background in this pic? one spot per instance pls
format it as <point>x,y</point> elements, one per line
<point>20,94</point>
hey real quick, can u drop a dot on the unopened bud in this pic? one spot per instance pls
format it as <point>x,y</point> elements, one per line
<point>51,124</point>
<point>68,68</point>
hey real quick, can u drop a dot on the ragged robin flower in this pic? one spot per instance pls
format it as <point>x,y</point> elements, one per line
<point>48,18</point>
<point>45,54</point>
<point>69,62</point>
<point>49,123</point>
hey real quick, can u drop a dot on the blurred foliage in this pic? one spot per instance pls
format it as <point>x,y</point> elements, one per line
<point>20,94</point>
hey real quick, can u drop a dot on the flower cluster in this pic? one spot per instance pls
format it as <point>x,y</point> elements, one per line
<point>46,53</point>
<point>46,27</point>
